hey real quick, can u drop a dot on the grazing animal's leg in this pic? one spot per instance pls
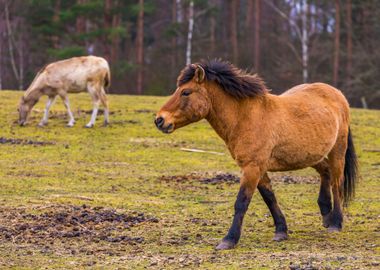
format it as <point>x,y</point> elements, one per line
<point>324,199</point>
<point>45,118</point>
<point>336,160</point>
<point>92,89</point>
<point>248,183</point>
<point>267,193</point>
<point>104,101</point>
<point>66,102</point>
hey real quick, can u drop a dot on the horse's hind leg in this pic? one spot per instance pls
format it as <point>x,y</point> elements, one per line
<point>324,198</point>
<point>66,102</point>
<point>94,93</point>
<point>267,193</point>
<point>104,101</point>
<point>336,160</point>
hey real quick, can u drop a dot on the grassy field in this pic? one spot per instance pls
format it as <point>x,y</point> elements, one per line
<point>126,196</point>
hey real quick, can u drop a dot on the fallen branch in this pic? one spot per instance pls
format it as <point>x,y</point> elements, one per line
<point>200,151</point>
<point>372,150</point>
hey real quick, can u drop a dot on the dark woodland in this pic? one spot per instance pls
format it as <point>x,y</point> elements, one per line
<point>147,42</point>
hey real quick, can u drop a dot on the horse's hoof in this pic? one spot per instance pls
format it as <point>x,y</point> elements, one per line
<point>105,124</point>
<point>69,125</point>
<point>326,221</point>
<point>334,229</point>
<point>225,245</point>
<point>88,126</point>
<point>280,236</point>
<point>41,124</point>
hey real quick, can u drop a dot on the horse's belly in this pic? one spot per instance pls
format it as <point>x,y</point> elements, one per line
<point>297,157</point>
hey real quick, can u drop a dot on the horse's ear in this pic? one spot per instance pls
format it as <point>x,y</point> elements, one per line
<point>199,74</point>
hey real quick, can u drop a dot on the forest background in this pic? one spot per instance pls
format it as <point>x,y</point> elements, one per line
<point>147,42</point>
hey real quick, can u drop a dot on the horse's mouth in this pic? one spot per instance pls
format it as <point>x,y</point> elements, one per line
<point>169,129</point>
<point>22,123</point>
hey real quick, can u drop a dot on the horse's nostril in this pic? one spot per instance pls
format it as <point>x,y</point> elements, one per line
<point>160,121</point>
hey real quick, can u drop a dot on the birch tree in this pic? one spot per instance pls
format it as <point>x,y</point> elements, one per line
<point>15,47</point>
<point>190,33</point>
<point>302,32</point>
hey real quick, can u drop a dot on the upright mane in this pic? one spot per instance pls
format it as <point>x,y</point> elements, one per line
<point>234,81</point>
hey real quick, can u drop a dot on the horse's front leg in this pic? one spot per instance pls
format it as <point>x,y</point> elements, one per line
<point>66,102</point>
<point>45,118</point>
<point>265,189</point>
<point>248,184</point>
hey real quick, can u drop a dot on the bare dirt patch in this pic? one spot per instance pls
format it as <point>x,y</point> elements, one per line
<point>228,178</point>
<point>144,111</point>
<point>65,222</point>
<point>4,140</point>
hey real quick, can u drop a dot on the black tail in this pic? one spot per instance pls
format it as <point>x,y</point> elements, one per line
<point>350,170</point>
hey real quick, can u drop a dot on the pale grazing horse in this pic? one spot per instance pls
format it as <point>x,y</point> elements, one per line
<point>74,75</point>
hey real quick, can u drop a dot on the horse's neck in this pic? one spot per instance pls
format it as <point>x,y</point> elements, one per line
<point>33,93</point>
<point>228,115</point>
<point>224,113</point>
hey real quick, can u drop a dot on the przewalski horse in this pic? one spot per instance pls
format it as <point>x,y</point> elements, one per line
<point>74,75</point>
<point>307,126</point>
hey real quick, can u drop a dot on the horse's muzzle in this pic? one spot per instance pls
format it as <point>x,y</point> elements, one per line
<point>160,124</point>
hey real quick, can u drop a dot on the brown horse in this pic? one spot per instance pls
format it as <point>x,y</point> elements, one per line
<point>307,126</point>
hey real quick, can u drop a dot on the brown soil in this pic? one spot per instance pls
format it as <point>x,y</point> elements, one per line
<point>23,142</point>
<point>62,222</point>
<point>144,111</point>
<point>219,178</point>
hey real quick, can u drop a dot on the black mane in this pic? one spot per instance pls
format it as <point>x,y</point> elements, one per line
<point>231,79</point>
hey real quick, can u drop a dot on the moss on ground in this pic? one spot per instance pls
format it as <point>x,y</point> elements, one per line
<point>119,167</point>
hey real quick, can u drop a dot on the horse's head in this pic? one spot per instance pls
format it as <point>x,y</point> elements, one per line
<point>189,103</point>
<point>24,109</point>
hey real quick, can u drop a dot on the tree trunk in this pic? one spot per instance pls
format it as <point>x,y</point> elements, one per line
<point>107,17</point>
<point>140,48</point>
<point>173,55</point>
<point>10,43</point>
<point>115,38</point>
<point>248,17</point>
<point>257,36</point>
<point>190,32</point>
<point>304,42</point>
<point>57,10</point>
<point>233,30</point>
<point>80,23</point>
<point>179,11</point>
<point>336,43</point>
<point>213,30</point>
<point>349,43</point>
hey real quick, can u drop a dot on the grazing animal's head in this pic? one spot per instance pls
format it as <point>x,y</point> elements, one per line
<point>24,108</point>
<point>189,103</point>
<point>193,99</point>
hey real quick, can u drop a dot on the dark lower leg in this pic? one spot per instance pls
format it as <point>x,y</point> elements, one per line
<point>324,201</point>
<point>324,198</point>
<point>279,219</point>
<point>241,205</point>
<point>336,216</point>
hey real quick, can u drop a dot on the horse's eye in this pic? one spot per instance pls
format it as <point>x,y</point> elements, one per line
<point>186,93</point>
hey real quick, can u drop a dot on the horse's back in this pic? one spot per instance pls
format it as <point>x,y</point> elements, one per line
<point>322,91</point>
<point>74,73</point>
<point>317,97</point>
